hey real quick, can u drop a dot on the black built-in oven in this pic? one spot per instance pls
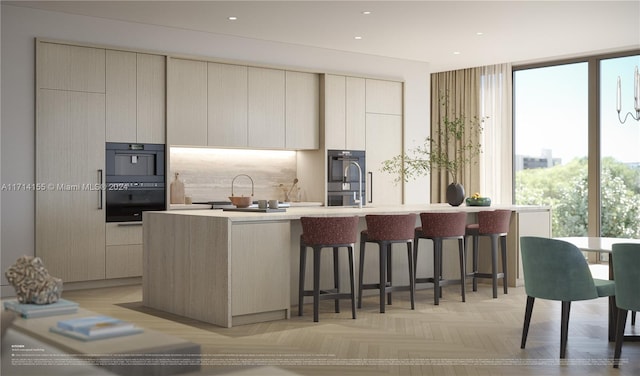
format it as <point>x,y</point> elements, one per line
<point>135,180</point>
<point>343,190</point>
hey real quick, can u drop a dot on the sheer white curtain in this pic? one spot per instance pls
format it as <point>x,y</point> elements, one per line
<point>496,161</point>
<point>483,92</point>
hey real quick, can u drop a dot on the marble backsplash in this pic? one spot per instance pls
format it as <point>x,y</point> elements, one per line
<point>208,173</point>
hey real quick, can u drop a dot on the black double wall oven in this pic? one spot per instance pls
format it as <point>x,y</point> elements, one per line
<point>135,177</point>
<point>343,189</point>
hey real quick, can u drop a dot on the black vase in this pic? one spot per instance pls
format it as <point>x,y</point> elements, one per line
<point>455,194</point>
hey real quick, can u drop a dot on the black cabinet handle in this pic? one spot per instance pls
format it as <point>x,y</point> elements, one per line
<point>100,189</point>
<point>370,187</point>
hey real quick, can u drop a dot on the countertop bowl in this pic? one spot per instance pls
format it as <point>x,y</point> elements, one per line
<point>240,201</point>
<point>480,201</point>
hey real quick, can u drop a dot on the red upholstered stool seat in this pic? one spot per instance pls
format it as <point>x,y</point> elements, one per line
<point>327,232</point>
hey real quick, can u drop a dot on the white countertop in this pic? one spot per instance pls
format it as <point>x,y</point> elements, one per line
<point>323,211</point>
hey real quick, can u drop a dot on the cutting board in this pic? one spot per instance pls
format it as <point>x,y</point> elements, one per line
<point>255,210</point>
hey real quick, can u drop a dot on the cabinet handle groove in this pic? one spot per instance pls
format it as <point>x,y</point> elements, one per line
<point>129,224</point>
<point>100,190</point>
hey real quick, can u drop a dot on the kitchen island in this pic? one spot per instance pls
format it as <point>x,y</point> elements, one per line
<point>231,268</point>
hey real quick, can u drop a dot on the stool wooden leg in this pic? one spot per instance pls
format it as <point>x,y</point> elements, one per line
<point>389,272</point>
<point>336,277</point>
<point>494,264</point>
<point>360,274</point>
<point>503,247</point>
<point>474,239</point>
<point>411,277</point>
<point>463,272</point>
<point>316,283</point>
<point>383,274</point>
<point>352,277</point>
<point>437,256</point>
<point>303,261</point>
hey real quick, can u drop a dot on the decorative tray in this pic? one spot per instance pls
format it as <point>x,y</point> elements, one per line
<point>480,201</point>
<point>256,210</point>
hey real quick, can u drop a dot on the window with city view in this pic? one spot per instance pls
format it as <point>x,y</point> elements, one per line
<point>553,153</point>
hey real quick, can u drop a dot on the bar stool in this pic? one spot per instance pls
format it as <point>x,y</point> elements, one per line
<point>494,224</point>
<point>327,232</point>
<point>439,227</point>
<point>386,230</point>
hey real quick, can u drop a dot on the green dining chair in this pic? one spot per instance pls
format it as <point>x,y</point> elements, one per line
<point>557,270</point>
<point>626,261</point>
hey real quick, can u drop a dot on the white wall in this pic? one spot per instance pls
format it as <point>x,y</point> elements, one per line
<point>21,25</point>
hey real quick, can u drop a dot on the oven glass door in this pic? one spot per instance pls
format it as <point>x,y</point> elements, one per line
<point>128,204</point>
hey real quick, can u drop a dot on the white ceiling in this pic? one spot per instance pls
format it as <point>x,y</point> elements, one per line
<point>428,31</point>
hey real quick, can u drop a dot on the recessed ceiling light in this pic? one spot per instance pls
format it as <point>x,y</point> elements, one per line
<point>366,12</point>
<point>479,33</point>
<point>456,52</point>
<point>357,38</point>
<point>232,18</point>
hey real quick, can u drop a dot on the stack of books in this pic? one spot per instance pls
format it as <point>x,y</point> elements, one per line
<point>61,307</point>
<point>95,327</point>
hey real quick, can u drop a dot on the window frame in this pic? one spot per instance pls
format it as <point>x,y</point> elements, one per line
<point>593,119</point>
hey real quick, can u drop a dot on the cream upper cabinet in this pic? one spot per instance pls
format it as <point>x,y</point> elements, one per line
<point>266,108</point>
<point>151,98</point>
<point>74,68</point>
<point>227,104</point>
<point>355,114</point>
<point>302,121</point>
<point>344,112</point>
<point>135,96</point>
<point>384,97</point>
<point>186,102</point>
<point>121,105</point>
<point>384,141</point>
<point>334,106</point>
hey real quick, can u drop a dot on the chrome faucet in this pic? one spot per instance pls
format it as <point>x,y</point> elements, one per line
<point>360,182</point>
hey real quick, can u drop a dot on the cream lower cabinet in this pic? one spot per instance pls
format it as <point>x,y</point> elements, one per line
<point>384,141</point>
<point>124,250</point>
<point>259,278</point>
<point>70,219</point>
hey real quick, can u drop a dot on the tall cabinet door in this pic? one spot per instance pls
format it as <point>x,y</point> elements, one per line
<point>70,219</point>
<point>384,141</point>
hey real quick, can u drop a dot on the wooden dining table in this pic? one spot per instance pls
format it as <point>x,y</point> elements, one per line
<point>604,245</point>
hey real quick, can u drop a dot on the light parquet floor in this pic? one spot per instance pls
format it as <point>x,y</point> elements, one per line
<point>479,337</point>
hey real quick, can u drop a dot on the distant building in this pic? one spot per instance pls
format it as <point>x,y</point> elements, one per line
<point>546,160</point>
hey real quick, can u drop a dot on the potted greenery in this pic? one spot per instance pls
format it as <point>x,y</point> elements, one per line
<point>447,149</point>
